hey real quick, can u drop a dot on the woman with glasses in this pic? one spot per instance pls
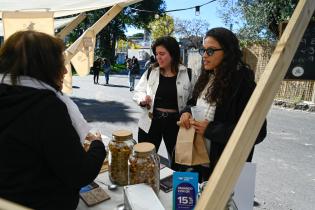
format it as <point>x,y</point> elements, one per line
<point>162,93</point>
<point>222,90</point>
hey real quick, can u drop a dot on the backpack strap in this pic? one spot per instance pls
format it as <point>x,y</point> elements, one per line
<point>149,72</point>
<point>189,73</point>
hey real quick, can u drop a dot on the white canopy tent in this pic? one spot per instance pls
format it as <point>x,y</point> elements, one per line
<point>60,8</point>
<point>58,23</point>
<point>39,14</point>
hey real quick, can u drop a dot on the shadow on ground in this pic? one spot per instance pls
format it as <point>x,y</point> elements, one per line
<point>119,86</point>
<point>107,111</point>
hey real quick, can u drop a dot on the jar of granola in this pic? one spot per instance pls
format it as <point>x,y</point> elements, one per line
<point>144,166</point>
<point>120,147</point>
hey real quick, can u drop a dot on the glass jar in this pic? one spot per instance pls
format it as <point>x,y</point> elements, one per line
<point>120,147</point>
<point>144,166</point>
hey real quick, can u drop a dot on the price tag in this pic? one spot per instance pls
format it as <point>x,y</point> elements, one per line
<point>185,190</point>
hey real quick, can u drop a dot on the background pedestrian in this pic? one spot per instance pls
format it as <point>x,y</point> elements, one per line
<point>134,71</point>
<point>97,65</point>
<point>107,69</point>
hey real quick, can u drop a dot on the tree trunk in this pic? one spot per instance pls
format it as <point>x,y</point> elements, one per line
<point>114,39</point>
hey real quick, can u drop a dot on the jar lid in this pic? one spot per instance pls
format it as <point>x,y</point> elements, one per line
<point>144,147</point>
<point>122,135</point>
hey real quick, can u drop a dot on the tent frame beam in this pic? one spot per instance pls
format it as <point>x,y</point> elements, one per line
<point>72,25</point>
<point>95,29</point>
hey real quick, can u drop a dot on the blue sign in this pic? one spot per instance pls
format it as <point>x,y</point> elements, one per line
<point>185,190</point>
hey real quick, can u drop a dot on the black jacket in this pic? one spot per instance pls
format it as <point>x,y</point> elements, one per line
<point>42,162</point>
<point>227,115</point>
<point>135,69</point>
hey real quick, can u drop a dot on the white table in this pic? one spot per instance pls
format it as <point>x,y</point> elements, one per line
<point>117,195</point>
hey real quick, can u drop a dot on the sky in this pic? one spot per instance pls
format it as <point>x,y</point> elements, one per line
<point>207,12</point>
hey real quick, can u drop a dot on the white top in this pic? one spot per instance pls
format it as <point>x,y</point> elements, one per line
<point>209,111</point>
<point>149,87</point>
<point>209,108</point>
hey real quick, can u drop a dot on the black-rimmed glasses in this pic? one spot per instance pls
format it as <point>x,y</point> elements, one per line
<point>210,51</point>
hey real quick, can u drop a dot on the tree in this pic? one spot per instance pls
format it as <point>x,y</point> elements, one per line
<point>115,30</point>
<point>163,26</point>
<point>191,30</point>
<point>261,17</point>
<point>137,36</point>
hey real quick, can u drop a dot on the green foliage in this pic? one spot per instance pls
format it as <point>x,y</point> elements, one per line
<point>163,26</point>
<point>140,19</point>
<point>137,36</point>
<point>245,43</point>
<point>115,30</point>
<point>297,99</point>
<point>116,68</point>
<point>260,18</point>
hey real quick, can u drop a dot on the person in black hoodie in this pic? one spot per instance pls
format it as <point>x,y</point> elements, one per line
<point>42,162</point>
<point>222,90</point>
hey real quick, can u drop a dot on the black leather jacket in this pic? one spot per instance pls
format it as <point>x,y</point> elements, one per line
<point>227,115</point>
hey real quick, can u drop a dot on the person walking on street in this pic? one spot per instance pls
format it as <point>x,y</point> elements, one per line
<point>134,71</point>
<point>107,70</point>
<point>128,68</point>
<point>96,69</point>
<point>162,93</point>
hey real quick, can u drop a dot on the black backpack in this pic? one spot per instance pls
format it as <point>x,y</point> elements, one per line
<point>135,69</point>
<point>188,72</point>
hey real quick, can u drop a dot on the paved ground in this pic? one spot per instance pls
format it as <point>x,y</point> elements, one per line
<point>285,160</point>
<point>108,108</point>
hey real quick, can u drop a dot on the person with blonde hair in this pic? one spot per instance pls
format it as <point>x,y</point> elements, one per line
<point>42,162</point>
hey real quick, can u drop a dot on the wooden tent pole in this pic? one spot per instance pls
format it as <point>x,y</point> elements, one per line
<point>8,205</point>
<point>228,169</point>
<point>96,28</point>
<point>72,25</point>
<point>78,45</point>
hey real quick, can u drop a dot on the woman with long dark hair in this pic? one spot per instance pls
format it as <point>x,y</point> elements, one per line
<point>222,90</point>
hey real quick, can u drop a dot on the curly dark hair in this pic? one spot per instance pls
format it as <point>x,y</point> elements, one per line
<point>172,46</point>
<point>225,74</point>
<point>34,54</point>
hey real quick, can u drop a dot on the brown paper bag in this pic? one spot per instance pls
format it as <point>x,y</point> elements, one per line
<point>190,148</point>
